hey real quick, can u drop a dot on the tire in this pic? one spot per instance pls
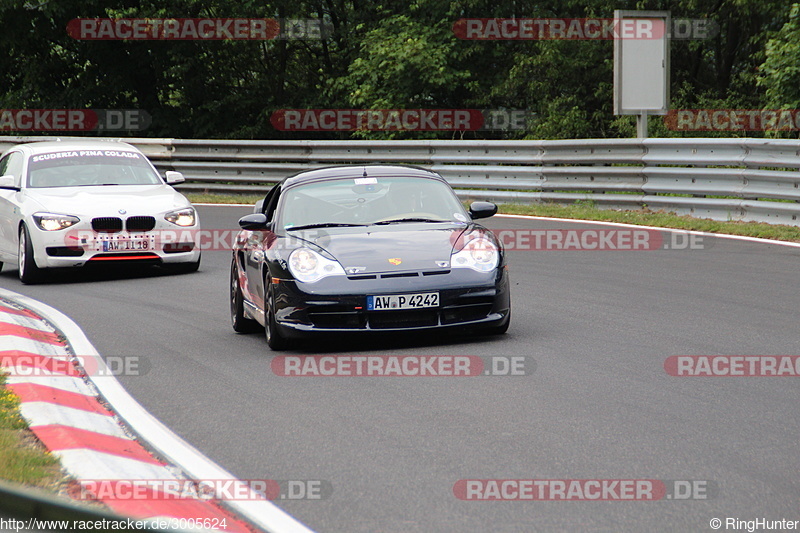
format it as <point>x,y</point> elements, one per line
<point>275,340</point>
<point>29,273</point>
<point>184,268</point>
<point>240,323</point>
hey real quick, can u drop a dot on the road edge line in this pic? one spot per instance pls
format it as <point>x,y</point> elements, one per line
<point>747,238</point>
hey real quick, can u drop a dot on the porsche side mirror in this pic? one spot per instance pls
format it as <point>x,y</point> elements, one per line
<point>173,177</point>
<point>482,210</point>
<point>254,222</point>
<point>8,182</point>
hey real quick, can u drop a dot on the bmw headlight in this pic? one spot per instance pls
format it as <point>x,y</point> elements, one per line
<point>479,254</point>
<point>308,266</point>
<point>182,217</point>
<point>54,221</point>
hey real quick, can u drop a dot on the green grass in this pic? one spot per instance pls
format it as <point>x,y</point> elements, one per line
<point>23,459</point>
<point>587,211</point>
<point>645,217</point>
<point>212,198</point>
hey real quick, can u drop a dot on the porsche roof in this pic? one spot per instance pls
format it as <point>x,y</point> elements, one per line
<point>359,171</point>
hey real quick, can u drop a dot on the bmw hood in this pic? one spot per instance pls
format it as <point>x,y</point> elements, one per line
<point>394,248</point>
<point>97,201</point>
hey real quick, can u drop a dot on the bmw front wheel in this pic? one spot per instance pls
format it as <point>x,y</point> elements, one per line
<point>29,273</point>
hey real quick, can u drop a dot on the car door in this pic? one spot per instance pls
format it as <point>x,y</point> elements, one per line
<point>10,164</point>
<point>257,243</point>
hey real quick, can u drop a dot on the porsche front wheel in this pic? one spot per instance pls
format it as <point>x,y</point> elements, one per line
<point>240,323</point>
<point>275,338</point>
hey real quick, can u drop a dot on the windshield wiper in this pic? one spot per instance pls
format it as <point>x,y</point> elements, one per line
<point>410,219</point>
<point>324,225</point>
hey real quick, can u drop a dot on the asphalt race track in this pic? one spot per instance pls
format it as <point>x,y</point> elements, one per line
<point>597,326</point>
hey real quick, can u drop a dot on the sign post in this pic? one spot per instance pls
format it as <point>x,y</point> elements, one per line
<point>641,65</point>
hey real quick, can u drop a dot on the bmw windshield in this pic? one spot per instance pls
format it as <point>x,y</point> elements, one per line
<point>90,167</point>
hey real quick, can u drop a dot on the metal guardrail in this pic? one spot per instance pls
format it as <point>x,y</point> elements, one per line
<point>719,178</point>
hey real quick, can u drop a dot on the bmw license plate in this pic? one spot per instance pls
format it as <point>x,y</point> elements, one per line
<point>137,244</point>
<point>395,302</point>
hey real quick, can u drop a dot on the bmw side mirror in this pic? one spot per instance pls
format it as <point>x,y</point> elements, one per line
<point>254,222</point>
<point>8,182</point>
<point>173,177</point>
<point>482,210</point>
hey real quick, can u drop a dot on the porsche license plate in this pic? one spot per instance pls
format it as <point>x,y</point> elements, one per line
<point>395,302</point>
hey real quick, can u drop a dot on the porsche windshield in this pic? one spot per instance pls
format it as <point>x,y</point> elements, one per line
<point>90,167</point>
<point>362,201</point>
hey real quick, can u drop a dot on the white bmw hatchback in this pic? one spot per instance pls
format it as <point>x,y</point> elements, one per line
<point>72,203</point>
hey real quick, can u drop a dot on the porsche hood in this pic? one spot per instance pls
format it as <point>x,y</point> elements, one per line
<point>382,249</point>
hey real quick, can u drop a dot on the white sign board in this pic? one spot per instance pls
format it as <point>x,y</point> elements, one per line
<point>641,62</point>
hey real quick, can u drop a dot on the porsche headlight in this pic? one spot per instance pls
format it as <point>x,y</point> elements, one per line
<point>308,266</point>
<point>478,254</point>
<point>54,221</point>
<point>182,217</point>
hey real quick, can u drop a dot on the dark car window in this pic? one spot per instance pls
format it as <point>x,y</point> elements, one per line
<point>271,201</point>
<point>270,194</point>
<point>11,164</point>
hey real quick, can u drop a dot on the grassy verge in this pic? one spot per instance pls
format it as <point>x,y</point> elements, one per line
<point>22,457</point>
<point>211,198</point>
<point>658,219</point>
<point>587,211</point>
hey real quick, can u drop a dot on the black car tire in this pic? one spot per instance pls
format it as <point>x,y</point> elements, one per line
<point>275,340</point>
<point>240,323</point>
<point>29,273</point>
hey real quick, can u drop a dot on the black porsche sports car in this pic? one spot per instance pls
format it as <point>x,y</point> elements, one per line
<point>366,248</point>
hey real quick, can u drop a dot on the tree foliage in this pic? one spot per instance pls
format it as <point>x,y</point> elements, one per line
<point>780,74</point>
<point>385,55</point>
